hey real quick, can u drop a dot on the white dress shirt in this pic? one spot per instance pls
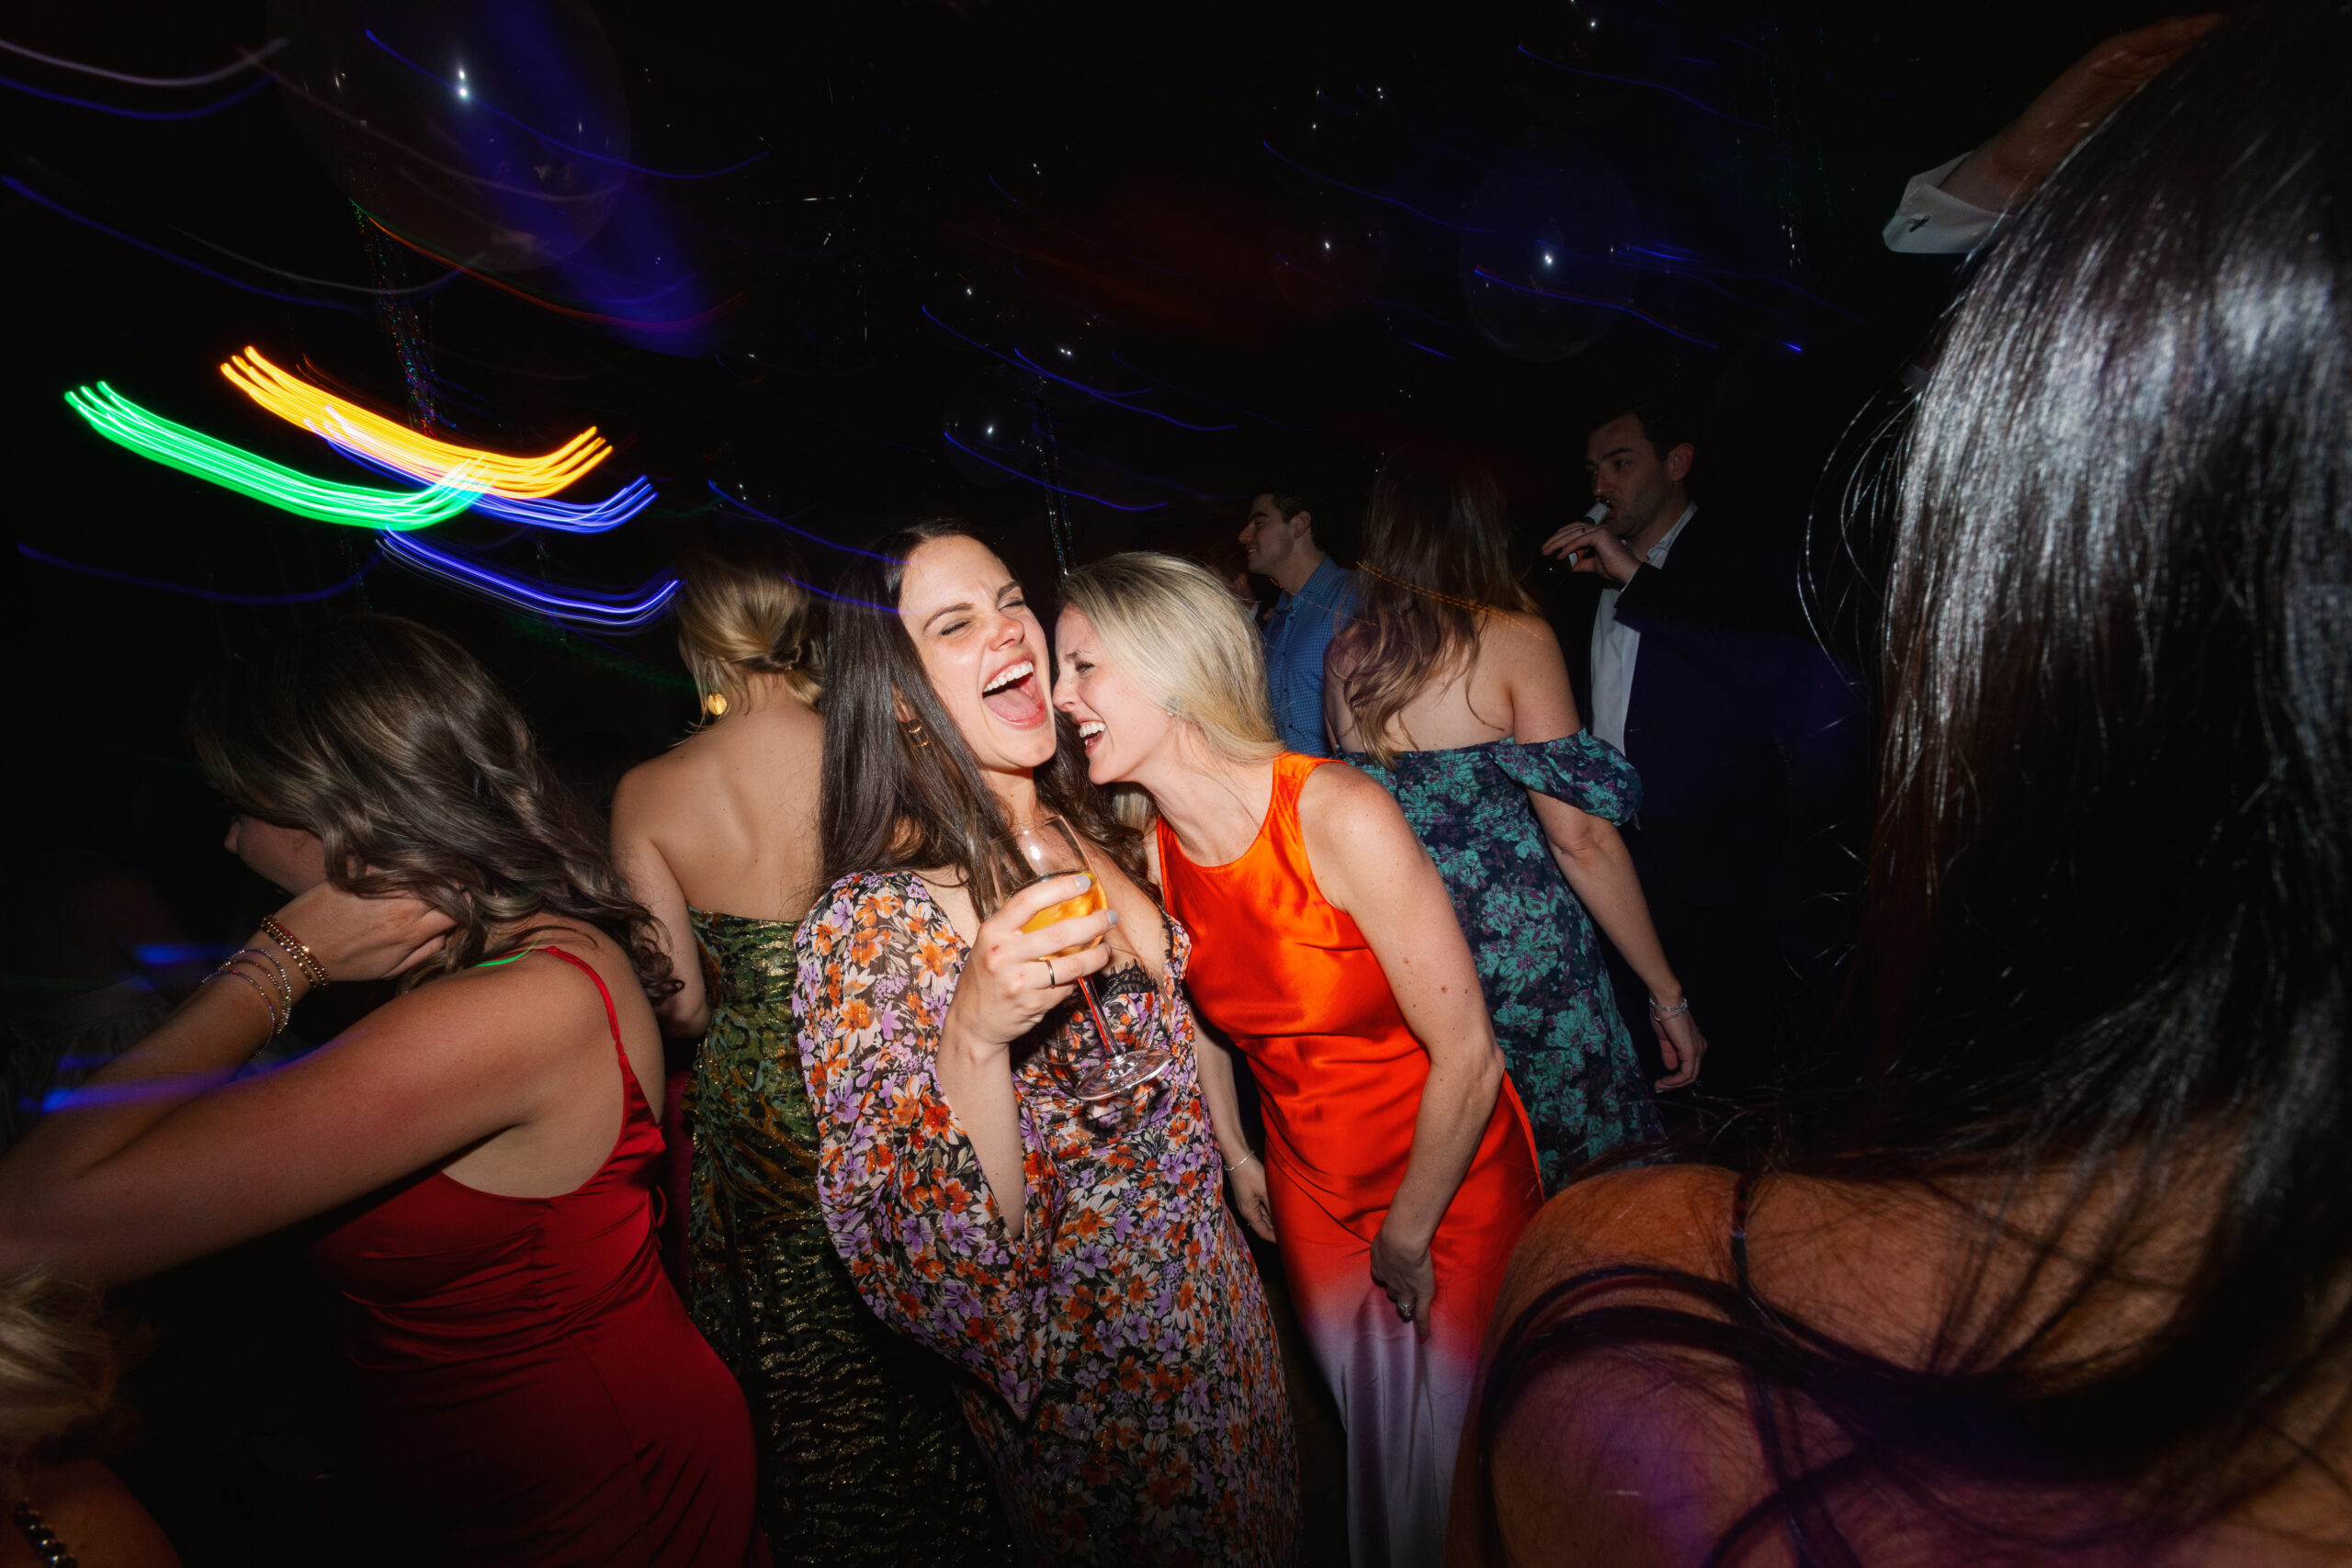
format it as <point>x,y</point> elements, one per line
<point>1615,649</point>
<point>1931,220</point>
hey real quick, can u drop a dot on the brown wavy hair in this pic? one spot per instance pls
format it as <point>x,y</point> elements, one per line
<point>395,746</point>
<point>891,804</point>
<point>1437,554</point>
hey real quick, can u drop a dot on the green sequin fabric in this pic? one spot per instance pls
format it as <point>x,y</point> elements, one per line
<point>865,1454</point>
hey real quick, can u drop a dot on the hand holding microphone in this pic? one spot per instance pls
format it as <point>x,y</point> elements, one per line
<point>1577,544</point>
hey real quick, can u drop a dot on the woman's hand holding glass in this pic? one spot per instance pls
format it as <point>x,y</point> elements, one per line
<point>1015,977</point>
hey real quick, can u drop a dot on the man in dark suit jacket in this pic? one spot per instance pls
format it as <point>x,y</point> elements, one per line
<point>1688,651</point>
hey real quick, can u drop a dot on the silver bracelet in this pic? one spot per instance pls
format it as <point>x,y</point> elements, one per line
<point>1676,1011</point>
<point>1237,1165</point>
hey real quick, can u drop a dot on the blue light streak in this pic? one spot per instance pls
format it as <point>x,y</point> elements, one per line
<point>1058,489</point>
<point>310,596</point>
<point>604,610</point>
<point>1373,194</point>
<point>565,516</point>
<point>467,94</point>
<point>1212,402</point>
<point>741,505</point>
<point>1035,369</point>
<point>215,106</point>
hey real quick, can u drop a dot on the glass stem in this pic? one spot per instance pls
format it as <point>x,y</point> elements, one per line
<point>1102,1032</point>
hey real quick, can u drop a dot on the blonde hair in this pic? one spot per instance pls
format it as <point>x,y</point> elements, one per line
<point>1189,643</point>
<point>56,1369</point>
<point>741,610</point>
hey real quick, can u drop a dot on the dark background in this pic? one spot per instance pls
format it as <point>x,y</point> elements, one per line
<point>1032,175</point>
<point>1245,231</point>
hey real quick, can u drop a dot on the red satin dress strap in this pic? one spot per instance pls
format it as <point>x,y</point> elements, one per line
<point>1289,979</point>
<point>529,1388</point>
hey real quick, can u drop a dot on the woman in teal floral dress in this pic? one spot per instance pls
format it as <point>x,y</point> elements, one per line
<point>1450,691</point>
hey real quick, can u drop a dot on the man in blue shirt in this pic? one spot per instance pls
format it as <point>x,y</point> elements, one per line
<point>1317,597</point>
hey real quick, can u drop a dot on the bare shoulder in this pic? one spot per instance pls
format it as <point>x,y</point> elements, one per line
<point>1670,1217</point>
<point>647,788</point>
<point>95,1514</point>
<point>536,1008</point>
<point>1519,632</point>
<point>1344,807</point>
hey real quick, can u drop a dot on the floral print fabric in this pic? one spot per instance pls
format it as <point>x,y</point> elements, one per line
<point>1538,955</point>
<point>1124,1381</point>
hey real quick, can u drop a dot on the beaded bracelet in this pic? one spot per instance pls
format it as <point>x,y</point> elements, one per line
<point>277,1020</point>
<point>304,959</point>
<point>284,981</point>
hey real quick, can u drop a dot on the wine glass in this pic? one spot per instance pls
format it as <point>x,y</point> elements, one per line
<point>1027,855</point>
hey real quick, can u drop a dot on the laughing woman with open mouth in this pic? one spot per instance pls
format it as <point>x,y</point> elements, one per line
<point>1122,1378</point>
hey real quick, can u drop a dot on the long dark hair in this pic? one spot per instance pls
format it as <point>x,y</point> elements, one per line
<point>890,804</point>
<point>395,746</point>
<point>2108,892</point>
<point>1437,552</point>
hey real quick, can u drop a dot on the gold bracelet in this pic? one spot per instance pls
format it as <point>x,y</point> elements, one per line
<point>277,1024</point>
<point>284,982</point>
<point>304,959</point>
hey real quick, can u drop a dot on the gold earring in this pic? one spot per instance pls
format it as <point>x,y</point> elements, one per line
<point>913,727</point>
<point>715,704</point>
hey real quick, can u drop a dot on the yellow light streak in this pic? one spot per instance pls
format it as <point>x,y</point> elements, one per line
<point>341,421</point>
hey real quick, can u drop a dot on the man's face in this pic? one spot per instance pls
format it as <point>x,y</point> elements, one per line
<point>1628,473</point>
<point>1268,536</point>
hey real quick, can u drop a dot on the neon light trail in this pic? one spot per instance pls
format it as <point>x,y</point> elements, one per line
<point>362,431</point>
<point>566,516</point>
<point>586,606</point>
<point>126,424</point>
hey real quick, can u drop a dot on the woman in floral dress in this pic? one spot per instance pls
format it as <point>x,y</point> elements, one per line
<point>1121,1369</point>
<point>1452,694</point>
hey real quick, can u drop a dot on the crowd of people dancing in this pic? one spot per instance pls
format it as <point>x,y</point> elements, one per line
<point>988,934</point>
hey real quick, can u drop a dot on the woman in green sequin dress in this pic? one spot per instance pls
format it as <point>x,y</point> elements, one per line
<point>865,1454</point>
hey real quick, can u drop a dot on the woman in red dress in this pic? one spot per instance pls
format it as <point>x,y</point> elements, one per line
<point>529,1389</point>
<point>1400,1167</point>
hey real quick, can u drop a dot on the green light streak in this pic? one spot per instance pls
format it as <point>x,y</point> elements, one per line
<point>125,424</point>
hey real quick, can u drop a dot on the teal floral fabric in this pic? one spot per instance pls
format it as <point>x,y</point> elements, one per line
<point>1538,954</point>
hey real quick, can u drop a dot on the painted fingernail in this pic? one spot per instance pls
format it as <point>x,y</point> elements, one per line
<point>1115,917</point>
<point>1084,881</point>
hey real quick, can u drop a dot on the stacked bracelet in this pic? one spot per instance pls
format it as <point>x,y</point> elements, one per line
<point>284,982</point>
<point>277,1019</point>
<point>304,960</point>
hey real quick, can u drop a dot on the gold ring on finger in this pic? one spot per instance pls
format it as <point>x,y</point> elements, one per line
<point>1049,973</point>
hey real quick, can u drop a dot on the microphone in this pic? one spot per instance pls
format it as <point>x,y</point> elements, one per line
<point>1593,514</point>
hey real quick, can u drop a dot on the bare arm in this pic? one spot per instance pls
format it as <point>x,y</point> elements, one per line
<point>164,1161</point>
<point>684,1014</point>
<point>1243,1167</point>
<point>1368,862</point>
<point>1591,853</point>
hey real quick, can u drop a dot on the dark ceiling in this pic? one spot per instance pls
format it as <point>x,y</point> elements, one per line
<point>1132,258</point>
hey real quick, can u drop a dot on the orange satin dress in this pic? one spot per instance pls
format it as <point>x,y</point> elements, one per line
<point>1289,980</point>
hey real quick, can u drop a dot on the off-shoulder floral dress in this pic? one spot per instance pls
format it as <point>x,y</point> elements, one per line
<point>1539,957</point>
<point>1123,1380</point>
